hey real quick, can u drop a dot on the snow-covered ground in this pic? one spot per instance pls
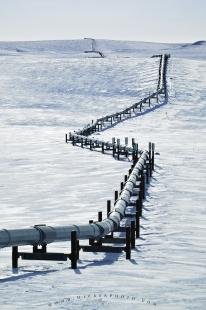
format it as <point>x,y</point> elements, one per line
<point>47,89</point>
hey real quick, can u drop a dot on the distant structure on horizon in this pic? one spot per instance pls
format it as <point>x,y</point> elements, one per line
<point>93,48</point>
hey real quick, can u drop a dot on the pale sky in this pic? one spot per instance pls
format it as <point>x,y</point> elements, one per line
<point>138,20</point>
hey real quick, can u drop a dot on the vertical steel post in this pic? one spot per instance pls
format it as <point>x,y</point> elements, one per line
<point>113,150</point>
<point>100,216</point>
<point>15,257</point>
<point>118,152</point>
<point>136,152</point>
<point>99,220</point>
<point>160,73</point>
<point>74,249</point>
<point>128,242</point>
<point>153,149</point>
<point>91,240</point>
<point>137,219</point>
<point>150,158</point>
<point>147,172</point>
<point>132,234</point>
<point>77,249</point>
<point>115,196</point>
<point>108,207</point>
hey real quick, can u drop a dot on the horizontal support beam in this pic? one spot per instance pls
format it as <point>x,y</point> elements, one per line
<point>102,248</point>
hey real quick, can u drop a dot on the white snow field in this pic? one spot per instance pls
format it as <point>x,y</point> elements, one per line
<point>50,88</point>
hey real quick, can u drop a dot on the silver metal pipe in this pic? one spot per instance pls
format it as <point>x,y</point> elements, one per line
<point>42,234</point>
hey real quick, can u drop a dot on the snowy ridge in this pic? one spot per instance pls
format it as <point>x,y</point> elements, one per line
<point>109,48</point>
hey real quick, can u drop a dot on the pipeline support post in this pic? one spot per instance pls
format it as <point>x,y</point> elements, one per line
<point>150,158</point>
<point>153,150</point>
<point>74,250</point>
<point>15,257</point>
<point>108,207</point>
<point>115,196</point>
<point>91,240</point>
<point>137,224</point>
<point>132,234</point>
<point>128,242</point>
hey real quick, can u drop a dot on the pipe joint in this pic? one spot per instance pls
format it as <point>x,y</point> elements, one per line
<point>47,234</point>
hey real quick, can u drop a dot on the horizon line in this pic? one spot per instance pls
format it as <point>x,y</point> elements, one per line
<point>76,39</point>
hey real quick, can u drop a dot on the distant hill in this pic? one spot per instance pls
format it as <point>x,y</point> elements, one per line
<point>199,43</point>
<point>110,48</point>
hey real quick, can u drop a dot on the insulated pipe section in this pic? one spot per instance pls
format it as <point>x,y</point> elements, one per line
<point>42,234</point>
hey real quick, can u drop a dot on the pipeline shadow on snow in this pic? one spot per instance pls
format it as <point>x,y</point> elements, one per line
<point>109,259</point>
<point>28,274</point>
<point>157,106</point>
